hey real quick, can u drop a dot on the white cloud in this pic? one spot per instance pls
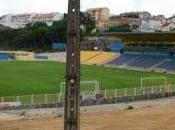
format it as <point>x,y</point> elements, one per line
<point>165,7</point>
<point>116,6</point>
<point>21,6</point>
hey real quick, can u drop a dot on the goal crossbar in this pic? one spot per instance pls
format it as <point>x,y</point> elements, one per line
<point>92,86</point>
<point>163,79</point>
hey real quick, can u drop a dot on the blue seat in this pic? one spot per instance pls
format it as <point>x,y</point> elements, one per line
<point>138,60</point>
<point>146,61</point>
<point>123,59</point>
<point>168,65</point>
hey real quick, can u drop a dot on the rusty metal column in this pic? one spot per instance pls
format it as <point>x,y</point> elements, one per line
<point>72,104</point>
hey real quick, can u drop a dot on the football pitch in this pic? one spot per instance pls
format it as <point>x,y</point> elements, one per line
<point>26,78</point>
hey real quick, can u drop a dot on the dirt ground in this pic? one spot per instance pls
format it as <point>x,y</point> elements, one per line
<point>147,118</point>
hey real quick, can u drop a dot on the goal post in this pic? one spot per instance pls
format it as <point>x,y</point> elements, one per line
<point>147,82</point>
<point>85,86</point>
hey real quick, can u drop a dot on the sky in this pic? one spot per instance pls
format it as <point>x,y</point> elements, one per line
<point>155,7</point>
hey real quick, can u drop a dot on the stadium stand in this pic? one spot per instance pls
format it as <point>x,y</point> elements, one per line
<point>168,65</point>
<point>145,61</point>
<point>102,58</point>
<point>151,61</point>
<point>123,59</point>
<point>87,55</point>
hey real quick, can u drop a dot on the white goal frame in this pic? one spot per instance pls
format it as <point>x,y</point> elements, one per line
<point>151,78</point>
<point>96,86</point>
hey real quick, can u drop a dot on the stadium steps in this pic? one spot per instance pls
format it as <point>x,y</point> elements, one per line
<point>168,65</point>
<point>162,62</point>
<point>122,60</point>
<point>102,58</point>
<point>127,62</point>
<point>112,58</point>
<point>88,55</point>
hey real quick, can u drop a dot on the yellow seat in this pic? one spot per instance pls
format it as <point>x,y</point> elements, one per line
<point>97,57</point>
<point>86,55</point>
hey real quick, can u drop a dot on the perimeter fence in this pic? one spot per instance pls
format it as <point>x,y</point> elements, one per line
<point>89,98</point>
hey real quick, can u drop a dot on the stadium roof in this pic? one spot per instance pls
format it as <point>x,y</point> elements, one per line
<point>139,37</point>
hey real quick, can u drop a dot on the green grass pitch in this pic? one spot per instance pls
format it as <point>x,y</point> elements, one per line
<point>26,78</point>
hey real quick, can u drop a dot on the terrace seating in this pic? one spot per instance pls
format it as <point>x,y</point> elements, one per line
<point>102,58</point>
<point>126,60</point>
<point>146,61</point>
<point>87,55</point>
<point>61,56</point>
<point>123,59</point>
<point>168,65</point>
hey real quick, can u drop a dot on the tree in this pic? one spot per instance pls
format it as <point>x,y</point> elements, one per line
<point>87,22</point>
<point>120,28</point>
<point>38,36</point>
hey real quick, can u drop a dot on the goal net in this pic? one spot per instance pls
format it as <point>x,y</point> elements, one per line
<point>85,86</point>
<point>147,82</point>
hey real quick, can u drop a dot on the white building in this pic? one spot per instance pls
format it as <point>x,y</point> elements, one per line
<point>6,20</point>
<point>171,19</point>
<point>152,24</point>
<point>47,18</point>
<point>21,20</point>
<point>168,27</point>
<point>144,15</point>
<point>100,16</point>
<point>145,26</point>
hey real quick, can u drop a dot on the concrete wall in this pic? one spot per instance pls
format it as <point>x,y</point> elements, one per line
<point>24,56</point>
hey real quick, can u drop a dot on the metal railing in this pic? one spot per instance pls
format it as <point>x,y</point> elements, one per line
<point>105,94</point>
